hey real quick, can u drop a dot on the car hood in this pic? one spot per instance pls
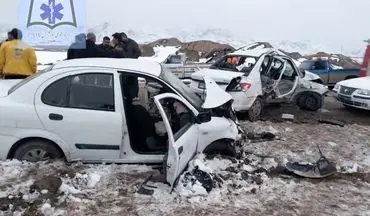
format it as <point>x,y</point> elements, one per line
<point>220,76</point>
<point>215,96</point>
<point>5,85</point>
<point>362,82</point>
<point>310,76</point>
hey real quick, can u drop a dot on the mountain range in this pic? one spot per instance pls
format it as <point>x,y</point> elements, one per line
<point>219,35</point>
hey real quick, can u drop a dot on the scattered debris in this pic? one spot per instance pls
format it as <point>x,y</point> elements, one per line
<point>321,169</point>
<point>332,121</point>
<point>287,116</point>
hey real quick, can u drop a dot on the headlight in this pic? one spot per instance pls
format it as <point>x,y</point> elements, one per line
<point>336,87</point>
<point>363,92</point>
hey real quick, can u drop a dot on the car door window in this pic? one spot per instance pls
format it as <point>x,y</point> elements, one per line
<point>289,72</point>
<point>84,91</point>
<point>179,115</point>
<point>56,94</point>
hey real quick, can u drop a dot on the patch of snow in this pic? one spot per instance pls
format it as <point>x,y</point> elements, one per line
<point>94,178</point>
<point>336,67</point>
<point>161,53</point>
<point>47,210</point>
<point>333,144</point>
<point>49,57</point>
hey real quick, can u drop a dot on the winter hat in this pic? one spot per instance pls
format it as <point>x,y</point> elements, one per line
<point>16,33</point>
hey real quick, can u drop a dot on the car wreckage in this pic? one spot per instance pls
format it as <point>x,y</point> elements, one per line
<point>255,78</point>
<point>86,110</point>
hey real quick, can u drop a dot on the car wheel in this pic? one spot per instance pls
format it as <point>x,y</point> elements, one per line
<point>255,111</point>
<point>311,102</point>
<point>221,148</point>
<point>37,150</point>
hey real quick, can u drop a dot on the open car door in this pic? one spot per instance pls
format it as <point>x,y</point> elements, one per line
<point>288,80</point>
<point>182,140</point>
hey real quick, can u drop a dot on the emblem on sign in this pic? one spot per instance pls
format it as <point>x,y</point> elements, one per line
<point>51,13</point>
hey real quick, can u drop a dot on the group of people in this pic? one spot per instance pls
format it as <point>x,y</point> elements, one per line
<point>17,59</point>
<point>119,47</point>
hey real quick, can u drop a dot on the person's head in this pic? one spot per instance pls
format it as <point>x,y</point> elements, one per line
<point>106,41</point>
<point>15,34</point>
<point>124,37</point>
<point>80,37</point>
<point>116,38</point>
<point>91,37</point>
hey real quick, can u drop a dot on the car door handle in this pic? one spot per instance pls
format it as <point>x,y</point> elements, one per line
<point>55,117</point>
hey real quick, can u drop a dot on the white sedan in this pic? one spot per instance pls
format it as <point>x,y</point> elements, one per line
<point>91,110</point>
<point>258,77</point>
<point>354,92</point>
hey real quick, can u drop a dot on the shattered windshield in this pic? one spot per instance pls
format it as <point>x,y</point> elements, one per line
<point>182,88</point>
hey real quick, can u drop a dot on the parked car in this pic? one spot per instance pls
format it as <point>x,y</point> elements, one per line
<point>354,92</point>
<point>85,110</point>
<point>328,73</point>
<point>255,78</point>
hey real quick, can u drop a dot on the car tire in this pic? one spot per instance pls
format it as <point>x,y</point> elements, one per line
<point>309,101</point>
<point>255,111</point>
<point>37,150</point>
<point>221,148</point>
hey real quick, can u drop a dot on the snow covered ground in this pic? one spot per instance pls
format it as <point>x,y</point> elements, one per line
<point>50,57</point>
<point>251,184</point>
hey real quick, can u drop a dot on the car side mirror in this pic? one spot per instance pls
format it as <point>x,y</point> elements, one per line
<point>204,117</point>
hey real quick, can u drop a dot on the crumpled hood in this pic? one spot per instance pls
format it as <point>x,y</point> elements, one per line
<point>5,85</point>
<point>215,96</point>
<point>362,83</point>
<point>310,76</point>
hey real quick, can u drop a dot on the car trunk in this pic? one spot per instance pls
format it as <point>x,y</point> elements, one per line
<point>6,85</point>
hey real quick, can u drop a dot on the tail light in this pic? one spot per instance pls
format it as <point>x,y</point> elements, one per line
<point>243,87</point>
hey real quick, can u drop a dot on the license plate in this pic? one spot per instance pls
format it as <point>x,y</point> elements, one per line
<point>202,85</point>
<point>345,99</point>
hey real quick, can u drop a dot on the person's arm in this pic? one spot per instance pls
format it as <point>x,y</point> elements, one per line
<point>32,60</point>
<point>2,58</point>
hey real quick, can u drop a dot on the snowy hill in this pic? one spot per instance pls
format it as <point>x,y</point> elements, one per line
<point>221,36</point>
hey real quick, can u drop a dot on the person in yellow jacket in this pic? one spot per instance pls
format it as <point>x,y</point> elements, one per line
<point>17,59</point>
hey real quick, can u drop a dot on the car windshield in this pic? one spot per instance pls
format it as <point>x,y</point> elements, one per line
<point>182,88</point>
<point>237,63</point>
<point>25,81</point>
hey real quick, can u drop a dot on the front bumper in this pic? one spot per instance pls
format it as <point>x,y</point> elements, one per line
<point>354,100</point>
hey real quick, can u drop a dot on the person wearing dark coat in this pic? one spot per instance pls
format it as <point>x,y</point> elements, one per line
<point>76,47</point>
<point>132,49</point>
<point>106,44</point>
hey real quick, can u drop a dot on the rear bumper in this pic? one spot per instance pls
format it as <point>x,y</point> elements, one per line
<point>354,100</point>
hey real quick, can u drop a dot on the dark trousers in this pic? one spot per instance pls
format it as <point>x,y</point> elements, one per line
<point>13,76</point>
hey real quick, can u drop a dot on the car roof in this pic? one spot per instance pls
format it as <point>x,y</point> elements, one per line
<point>146,66</point>
<point>254,52</point>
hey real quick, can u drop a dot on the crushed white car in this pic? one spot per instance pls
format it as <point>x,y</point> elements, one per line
<point>258,77</point>
<point>354,92</point>
<point>83,110</point>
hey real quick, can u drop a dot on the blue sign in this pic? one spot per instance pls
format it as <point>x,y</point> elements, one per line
<point>51,22</point>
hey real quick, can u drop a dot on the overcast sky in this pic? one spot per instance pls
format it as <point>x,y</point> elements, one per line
<point>333,22</point>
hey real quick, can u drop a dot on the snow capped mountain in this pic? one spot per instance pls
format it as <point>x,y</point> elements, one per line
<point>147,35</point>
<point>218,35</point>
